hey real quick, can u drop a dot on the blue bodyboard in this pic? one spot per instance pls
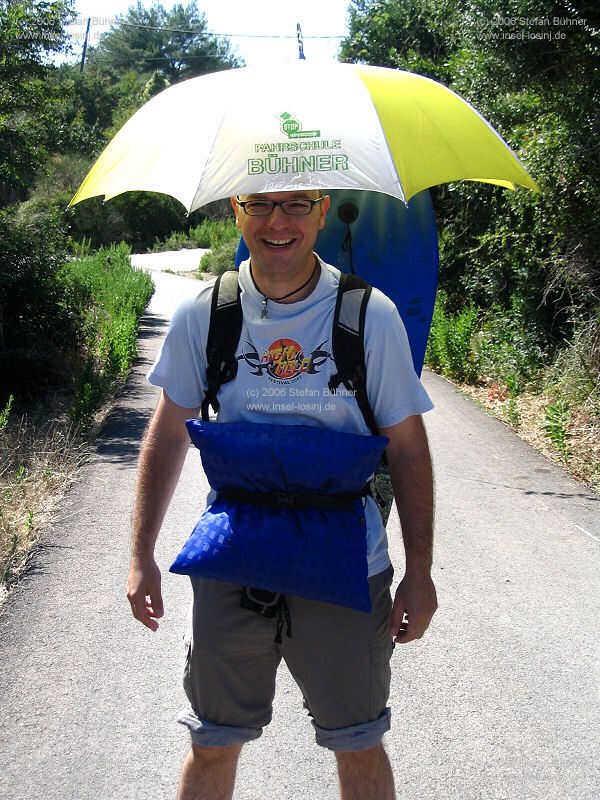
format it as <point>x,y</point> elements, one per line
<point>392,246</point>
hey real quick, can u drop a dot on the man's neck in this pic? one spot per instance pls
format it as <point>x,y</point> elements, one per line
<point>284,288</point>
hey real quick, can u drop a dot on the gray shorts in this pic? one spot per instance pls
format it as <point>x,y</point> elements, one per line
<point>339,658</point>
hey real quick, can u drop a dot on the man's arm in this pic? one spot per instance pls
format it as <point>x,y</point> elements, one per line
<point>412,479</point>
<point>161,459</point>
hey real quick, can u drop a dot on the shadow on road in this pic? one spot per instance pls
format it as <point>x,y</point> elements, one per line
<point>122,435</point>
<point>535,492</point>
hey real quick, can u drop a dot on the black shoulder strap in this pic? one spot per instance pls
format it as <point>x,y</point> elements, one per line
<point>348,342</point>
<point>223,337</point>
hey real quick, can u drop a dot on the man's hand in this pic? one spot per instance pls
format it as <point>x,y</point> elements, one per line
<point>410,468</point>
<point>163,452</point>
<point>415,604</point>
<point>143,592</point>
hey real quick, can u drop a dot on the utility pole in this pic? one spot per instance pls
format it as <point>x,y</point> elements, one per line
<point>87,33</point>
<point>300,42</point>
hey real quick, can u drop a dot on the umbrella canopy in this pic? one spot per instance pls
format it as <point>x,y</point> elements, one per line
<point>302,126</point>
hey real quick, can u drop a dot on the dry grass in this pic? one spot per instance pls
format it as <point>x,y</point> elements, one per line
<point>526,415</point>
<point>37,465</point>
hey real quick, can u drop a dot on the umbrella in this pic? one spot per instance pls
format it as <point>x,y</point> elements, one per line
<point>302,126</point>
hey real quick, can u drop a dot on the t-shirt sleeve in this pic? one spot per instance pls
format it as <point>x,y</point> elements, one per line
<point>394,389</point>
<point>180,367</point>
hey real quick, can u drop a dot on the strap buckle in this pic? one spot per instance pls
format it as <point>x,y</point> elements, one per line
<point>285,500</point>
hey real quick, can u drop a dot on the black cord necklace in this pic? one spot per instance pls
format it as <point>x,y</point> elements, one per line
<point>264,313</point>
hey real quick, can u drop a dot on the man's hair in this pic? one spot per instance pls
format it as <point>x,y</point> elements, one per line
<point>316,192</point>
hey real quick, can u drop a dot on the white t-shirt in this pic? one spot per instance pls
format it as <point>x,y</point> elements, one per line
<point>284,366</point>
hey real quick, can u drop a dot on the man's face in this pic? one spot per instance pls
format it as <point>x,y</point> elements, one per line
<point>281,244</point>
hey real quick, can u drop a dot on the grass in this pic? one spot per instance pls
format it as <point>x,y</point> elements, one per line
<point>38,460</point>
<point>494,358</point>
<point>37,465</point>
<point>208,234</point>
<point>110,296</point>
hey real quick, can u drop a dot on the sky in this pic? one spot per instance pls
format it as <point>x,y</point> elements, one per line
<point>248,19</point>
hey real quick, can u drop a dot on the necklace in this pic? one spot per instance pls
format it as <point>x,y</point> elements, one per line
<point>265,313</point>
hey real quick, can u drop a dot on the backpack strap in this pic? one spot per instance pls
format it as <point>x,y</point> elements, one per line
<point>347,340</point>
<point>223,336</point>
<point>348,343</point>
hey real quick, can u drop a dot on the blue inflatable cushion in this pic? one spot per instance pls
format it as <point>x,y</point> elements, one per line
<point>314,553</point>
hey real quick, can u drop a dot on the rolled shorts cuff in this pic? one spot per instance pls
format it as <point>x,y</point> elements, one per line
<point>207,734</point>
<point>354,737</point>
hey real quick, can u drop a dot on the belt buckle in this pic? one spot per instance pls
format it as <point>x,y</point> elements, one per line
<point>285,500</point>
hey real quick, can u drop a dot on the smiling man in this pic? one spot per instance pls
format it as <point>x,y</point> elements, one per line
<point>281,239</point>
<point>340,657</point>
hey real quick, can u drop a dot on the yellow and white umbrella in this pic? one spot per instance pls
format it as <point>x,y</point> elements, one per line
<point>300,126</point>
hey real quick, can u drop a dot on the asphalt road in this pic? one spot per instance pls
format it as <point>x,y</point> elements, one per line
<point>500,700</point>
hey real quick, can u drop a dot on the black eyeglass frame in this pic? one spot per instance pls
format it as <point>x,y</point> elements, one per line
<point>281,204</point>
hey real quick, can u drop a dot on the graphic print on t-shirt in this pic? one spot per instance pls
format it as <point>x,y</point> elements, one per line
<point>284,361</point>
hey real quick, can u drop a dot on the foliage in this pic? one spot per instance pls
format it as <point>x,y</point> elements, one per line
<point>208,234</point>
<point>506,349</point>
<point>5,412</point>
<point>417,35</point>
<point>555,425</point>
<point>528,262</point>
<point>173,43</point>
<point>83,108</point>
<point>112,297</point>
<point>55,120</point>
<point>136,218</point>
<point>575,373</point>
<point>449,348</point>
<point>37,464</point>
<point>475,345</point>
<point>29,31</point>
<point>220,259</point>
<point>61,318</point>
<point>38,328</point>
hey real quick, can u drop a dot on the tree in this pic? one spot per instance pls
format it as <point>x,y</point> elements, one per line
<point>530,67</point>
<point>174,43</point>
<point>83,107</point>
<point>29,32</point>
<point>417,35</point>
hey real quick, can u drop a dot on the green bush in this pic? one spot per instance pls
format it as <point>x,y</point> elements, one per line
<point>112,297</point>
<point>208,234</point>
<point>137,218</point>
<point>39,331</point>
<point>178,240</point>
<point>507,349</point>
<point>449,349</point>
<point>470,345</point>
<point>556,419</point>
<point>575,373</point>
<point>220,259</point>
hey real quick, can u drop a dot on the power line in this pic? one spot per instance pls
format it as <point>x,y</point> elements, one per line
<point>197,32</point>
<point>285,36</point>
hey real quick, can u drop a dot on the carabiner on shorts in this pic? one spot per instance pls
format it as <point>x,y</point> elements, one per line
<point>269,605</point>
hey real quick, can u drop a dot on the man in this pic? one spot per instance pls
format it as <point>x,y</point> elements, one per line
<point>339,657</point>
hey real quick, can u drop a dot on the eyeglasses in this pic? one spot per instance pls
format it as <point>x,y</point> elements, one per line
<point>299,207</point>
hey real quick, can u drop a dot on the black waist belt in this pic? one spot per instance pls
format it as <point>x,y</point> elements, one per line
<point>295,500</point>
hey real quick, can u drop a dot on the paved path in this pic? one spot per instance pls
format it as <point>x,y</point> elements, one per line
<point>500,700</point>
<point>187,260</point>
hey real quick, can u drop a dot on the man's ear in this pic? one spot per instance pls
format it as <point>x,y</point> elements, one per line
<point>324,208</point>
<point>236,210</point>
